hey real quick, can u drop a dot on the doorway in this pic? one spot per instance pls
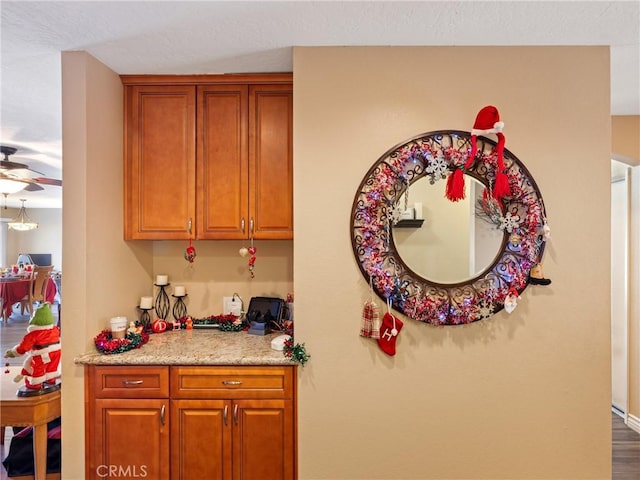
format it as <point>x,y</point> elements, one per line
<point>620,208</point>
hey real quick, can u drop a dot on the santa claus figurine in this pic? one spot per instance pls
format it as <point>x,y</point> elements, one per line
<point>41,368</point>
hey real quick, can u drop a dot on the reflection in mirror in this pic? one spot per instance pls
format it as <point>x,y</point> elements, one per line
<point>453,244</point>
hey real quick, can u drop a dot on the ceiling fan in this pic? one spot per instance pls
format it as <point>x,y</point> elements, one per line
<point>8,170</point>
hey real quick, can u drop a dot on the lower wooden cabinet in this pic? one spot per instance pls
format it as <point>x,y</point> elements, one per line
<point>130,440</point>
<point>173,436</point>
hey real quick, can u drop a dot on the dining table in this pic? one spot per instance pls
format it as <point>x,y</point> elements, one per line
<point>15,288</point>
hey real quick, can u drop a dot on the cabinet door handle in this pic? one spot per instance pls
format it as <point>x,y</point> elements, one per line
<point>225,414</point>
<point>189,223</point>
<point>251,227</point>
<point>242,224</point>
<point>231,382</point>
<point>235,414</point>
<point>132,382</point>
<point>162,415</point>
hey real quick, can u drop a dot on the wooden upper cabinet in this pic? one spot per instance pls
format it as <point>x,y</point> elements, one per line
<point>215,151</point>
<point>271,161</point>
<point>159,173</point>
<point>223,161</point>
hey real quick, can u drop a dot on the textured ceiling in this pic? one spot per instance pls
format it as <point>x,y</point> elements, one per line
<point>232,36</point>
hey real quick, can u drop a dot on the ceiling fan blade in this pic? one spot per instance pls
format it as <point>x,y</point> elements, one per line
<point>48,181</point>
<point>9,165</point>
<point>33,187</point>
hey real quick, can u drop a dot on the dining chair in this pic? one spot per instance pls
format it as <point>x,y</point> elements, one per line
<point>37,288</point>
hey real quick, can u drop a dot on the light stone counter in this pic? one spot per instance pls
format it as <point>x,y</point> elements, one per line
<point>195,347</point>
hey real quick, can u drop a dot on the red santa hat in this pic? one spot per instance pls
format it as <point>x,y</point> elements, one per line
<point>487,121</point>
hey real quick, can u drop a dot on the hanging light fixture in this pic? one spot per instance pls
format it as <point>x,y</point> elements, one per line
<point>8,185</point>
<point>22,222</point>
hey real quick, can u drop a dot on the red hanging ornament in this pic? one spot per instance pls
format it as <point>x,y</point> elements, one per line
<point>190,252</point>
<point>252,259</point>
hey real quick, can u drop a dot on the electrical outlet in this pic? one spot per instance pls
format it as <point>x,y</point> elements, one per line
<point>232,305</point>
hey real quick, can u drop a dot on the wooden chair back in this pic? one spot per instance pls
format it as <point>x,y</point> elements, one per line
<point>38,287</point>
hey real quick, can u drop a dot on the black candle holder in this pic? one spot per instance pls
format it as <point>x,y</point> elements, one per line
<point>179,308</point>
<point>162,302</point>
<point>145,319</point>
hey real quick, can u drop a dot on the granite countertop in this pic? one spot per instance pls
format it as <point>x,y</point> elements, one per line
<point>195,347</point>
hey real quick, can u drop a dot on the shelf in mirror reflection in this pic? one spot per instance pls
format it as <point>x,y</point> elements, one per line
<point>417,223</point>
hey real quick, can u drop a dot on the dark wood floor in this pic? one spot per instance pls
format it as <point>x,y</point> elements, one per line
<point>625,442</point>
<point>625,450</point>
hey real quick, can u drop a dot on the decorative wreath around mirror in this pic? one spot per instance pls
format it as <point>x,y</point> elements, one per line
<point>520,215</point>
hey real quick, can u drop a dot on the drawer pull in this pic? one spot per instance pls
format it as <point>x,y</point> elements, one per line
<point>231,382</point>
<point>132,382</point>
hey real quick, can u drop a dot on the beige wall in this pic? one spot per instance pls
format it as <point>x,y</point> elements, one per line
<point>625,138</point>
<point>525,395</point>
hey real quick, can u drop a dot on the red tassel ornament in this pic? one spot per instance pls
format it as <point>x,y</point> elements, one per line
<point>455,185</point>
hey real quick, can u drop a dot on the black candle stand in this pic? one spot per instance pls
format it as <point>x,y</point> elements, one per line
<point>162,302</point>
<point>145,318</point>
<point>179,308</point>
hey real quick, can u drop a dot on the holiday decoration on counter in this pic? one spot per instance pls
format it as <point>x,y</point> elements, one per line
<point>487,121</point>
<point>223,322</point>
<point>108,345</point>
<point>159,325</point>
<point>519,214</point>
<point>190,252</point>
<point>296,351</point>
<point>41,368</point>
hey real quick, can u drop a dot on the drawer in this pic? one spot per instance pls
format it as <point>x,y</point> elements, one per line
<point>232,382</point>
<point>129,381</point>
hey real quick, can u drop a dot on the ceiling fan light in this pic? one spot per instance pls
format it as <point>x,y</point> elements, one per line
<point>22,222</point>
<point>11,186</point>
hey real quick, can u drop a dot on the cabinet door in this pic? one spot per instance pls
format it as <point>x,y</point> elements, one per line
<point>159,168</point>
<point>263,440</point>
<point>131,439</point>
<point>271,161</point>
<point>201,439</point>
<point>222,162</point>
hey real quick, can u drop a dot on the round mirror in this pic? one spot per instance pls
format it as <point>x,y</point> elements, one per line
<point>399,273</point>
<point>454,242</point>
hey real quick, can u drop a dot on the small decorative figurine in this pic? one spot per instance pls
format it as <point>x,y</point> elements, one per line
<point>41,368</point>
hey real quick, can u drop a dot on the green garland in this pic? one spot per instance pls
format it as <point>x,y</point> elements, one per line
<point>296,352</point>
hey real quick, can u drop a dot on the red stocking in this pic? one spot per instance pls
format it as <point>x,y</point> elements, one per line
<point>389,331</point>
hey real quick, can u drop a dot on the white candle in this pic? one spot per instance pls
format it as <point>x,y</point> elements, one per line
<point>179,291</point>
<point>145,302</point>
<point>162,279</point>
<point>418,208</point>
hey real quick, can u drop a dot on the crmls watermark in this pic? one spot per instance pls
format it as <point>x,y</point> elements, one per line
<point>121,471</point>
